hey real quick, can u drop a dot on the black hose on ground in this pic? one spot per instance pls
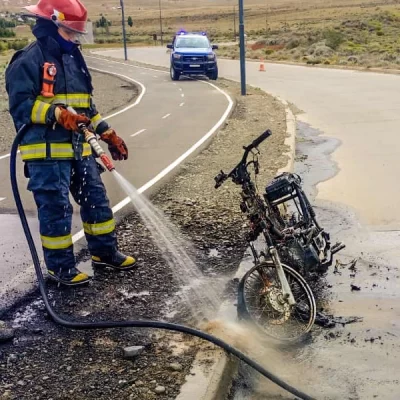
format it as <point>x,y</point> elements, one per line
<point>122,324</point>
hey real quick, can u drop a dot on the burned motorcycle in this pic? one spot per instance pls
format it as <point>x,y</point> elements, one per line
<point>304,244</point>
<point>274,294</point>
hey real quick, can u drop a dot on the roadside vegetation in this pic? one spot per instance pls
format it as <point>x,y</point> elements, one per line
<point>14,33</point>
<point>370,41</point>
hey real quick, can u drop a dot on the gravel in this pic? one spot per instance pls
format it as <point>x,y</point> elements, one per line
<point>132,351</point>
<point>57,363</point>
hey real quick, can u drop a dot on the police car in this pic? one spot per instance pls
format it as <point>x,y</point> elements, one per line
<point>192,54</point>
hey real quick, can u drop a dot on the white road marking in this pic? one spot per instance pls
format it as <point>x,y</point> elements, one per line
<point>7,155</point>
<point>2,198</point>
<point>155,76</point>
<point>138,100</point>
<point>183,95</point>
<point>138,133</point>
<point>166,116</point>
<point>180,89</point>
<point>181,105</point>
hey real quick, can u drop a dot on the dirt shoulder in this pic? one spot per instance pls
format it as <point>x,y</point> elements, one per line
<point>110,94</point>
<point>45,361</point>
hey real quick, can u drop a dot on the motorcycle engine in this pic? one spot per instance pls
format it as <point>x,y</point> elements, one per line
<point>300,257</point>
<point>311,259</point>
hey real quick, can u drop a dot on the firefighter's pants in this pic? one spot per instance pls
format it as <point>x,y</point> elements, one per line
<point>51,182</point>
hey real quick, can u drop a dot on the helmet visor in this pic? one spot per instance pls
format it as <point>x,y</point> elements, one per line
<point>79,27</point>
<point>80,38</point>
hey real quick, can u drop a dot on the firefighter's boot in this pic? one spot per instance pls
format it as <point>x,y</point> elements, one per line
<point>69,277</point>
<point>117,261</point>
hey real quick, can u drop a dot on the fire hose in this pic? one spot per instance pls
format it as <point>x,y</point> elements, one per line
<point>67,323</point>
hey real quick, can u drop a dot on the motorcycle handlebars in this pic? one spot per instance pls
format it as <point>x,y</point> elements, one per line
<point>259,140</point>
<point>222,177</point>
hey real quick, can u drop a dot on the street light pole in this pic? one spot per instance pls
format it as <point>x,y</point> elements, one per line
<point>242,49</point>
<point>162,41</point>
<point>234,23</point>
<point>123,29</point>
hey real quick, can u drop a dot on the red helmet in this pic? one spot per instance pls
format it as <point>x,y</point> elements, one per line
<point>70,14</point>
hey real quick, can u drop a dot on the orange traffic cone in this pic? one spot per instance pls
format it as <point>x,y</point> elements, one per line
<point>262,66</point>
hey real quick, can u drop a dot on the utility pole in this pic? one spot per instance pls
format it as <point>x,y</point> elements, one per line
<point>123,29</point>
<point>242,49</point>
<point>162,40</point>
<point>234,23</point>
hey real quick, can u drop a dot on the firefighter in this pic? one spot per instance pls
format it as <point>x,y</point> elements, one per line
<point>43,80</point>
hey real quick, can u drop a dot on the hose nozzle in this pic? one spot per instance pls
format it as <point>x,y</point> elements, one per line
<point>107,162</point>
<point>90,137</point>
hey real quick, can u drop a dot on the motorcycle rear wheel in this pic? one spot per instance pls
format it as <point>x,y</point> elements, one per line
<point>260,302</point>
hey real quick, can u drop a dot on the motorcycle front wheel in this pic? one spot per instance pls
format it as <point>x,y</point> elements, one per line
<point>261,302</point>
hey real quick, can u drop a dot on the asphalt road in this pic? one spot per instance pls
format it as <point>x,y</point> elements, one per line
<point>361,109</point>
<point>168,123</point>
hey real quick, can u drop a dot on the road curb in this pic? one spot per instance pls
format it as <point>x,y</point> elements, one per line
<point>290,132</point>
<point>210,377</point>
<point>291,137</point>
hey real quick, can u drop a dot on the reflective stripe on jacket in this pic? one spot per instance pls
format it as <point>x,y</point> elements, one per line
<point>60,151</point>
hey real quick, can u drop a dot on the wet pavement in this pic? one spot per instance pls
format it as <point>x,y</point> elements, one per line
<point>353,361</point>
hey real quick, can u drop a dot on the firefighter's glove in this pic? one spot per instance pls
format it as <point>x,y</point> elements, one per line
<point>116,145</point>
<point>69,120</point>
